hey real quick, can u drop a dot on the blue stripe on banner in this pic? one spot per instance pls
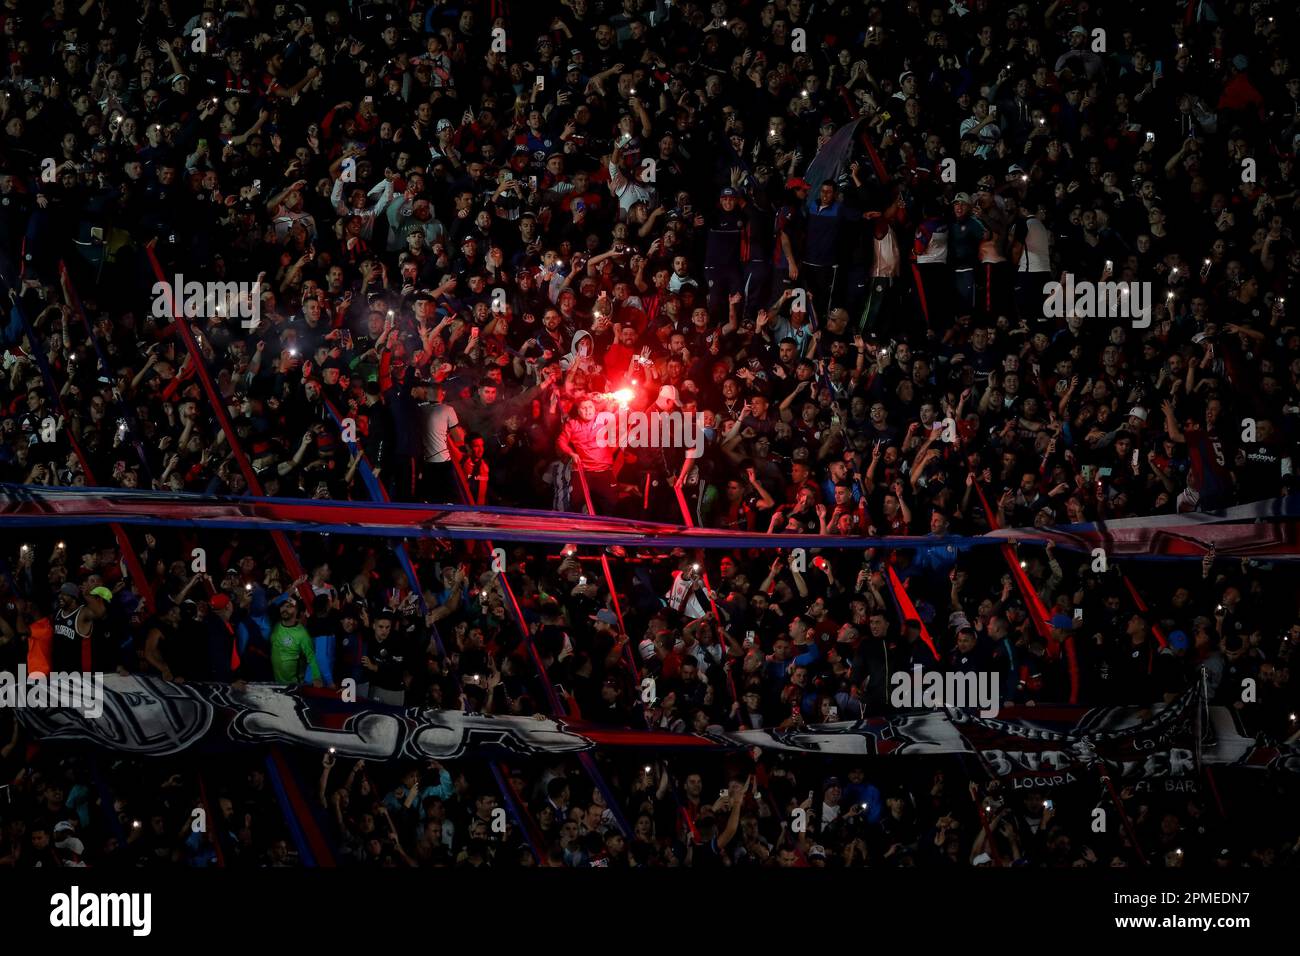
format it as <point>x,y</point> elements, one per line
<point>707,542</point>
<point>288,812</point>
<point>506,795</point>
<point>106,800</point>
<point>611,799</point>
<point>38,506</point>
<point>379,496</point>
<point>377,493</point>
<point>394,506</point>
<point>1288,507</point>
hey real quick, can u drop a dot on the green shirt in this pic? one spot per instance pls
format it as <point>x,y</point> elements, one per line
<point>288,646</point>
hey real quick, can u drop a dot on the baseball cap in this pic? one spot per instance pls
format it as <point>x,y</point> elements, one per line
<point>1063,621</point>
<point>1078,29</point>
<point>817,852</point>
<point>70,589</point>
<point>606,616</point>
<point>667,394</point>
<point>728,191</point>
<point>573,68</point>
<point>1138,412</point>
<point>72,845</point>
<point>794,182</point>
<point>219,602</point>
<point>103,593</point>
<point>962,197</point>
<point>1178,640</point>
<point>443,124</point>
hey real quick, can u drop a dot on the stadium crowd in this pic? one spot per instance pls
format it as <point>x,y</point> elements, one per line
<point>779,811</point>
<point>825,229</point>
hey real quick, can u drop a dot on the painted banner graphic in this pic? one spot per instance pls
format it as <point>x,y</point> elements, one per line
<point>1164,747</point>
<point>1044,746</point>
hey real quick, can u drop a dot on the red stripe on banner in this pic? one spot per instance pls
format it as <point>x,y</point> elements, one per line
<point>1214,789</point>
<point>920,293</point>
<point>1036,608</point>
<point>713,607</point>
<point>640,738</point>
<point>1142,606</point>
<point>558,708</point>
<point>287,554</point>
<point>909,609</point>
<point>134,568</point>
<point>1037,612</point>
<point>1123,814</point>
<point>875,158</point>
<point>73,300</point>
<point>609,576</point>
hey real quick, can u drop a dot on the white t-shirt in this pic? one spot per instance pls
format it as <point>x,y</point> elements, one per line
<point>887,256</point>
<point>439,420</point>
<point>1037,255</point>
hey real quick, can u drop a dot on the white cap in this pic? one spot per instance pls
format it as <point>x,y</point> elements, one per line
<point>72,845</point>
<point>1138,412</point>
<point>667,393</point>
